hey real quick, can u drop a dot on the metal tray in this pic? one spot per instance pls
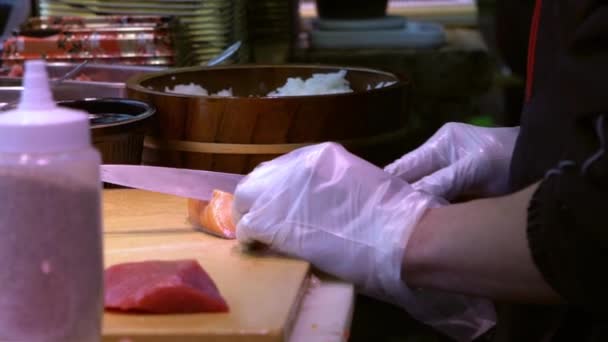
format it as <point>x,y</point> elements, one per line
<point>108,81</point>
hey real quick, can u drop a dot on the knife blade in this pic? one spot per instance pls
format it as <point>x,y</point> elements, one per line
<point>195,184</point>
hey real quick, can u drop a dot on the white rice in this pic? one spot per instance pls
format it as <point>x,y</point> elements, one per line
<point>318,84</point>
<point>380,85</point>
<point>195,89</point>
<point>224,92</point>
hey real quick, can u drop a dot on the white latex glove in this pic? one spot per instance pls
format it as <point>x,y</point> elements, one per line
<point>353,220</point>
<point>460,160</point>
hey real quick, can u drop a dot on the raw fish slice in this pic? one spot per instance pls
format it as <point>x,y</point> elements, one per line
<point>179,286</point>
<point>195,208</point>
<point>215,216</point>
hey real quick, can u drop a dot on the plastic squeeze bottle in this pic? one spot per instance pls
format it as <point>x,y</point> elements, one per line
<point>51,266</point>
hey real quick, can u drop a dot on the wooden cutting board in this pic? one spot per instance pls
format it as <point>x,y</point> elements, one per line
<point>262,291</point>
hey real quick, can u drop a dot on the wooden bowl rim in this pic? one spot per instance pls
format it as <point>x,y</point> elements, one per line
<point>135,82</point>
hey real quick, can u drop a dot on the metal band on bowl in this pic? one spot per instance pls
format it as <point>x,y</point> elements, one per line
<point>227,148</point>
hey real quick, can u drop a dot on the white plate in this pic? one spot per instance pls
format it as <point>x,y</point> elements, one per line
<point>414,35</point>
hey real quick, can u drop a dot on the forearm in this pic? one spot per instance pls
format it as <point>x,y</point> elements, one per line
<point>478,248</point>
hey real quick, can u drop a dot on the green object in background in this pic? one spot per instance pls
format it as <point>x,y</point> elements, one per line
<point>484,121</point>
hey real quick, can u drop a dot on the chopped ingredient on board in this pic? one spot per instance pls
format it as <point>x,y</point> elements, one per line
<point>177,286</point>
<point>215,216</point>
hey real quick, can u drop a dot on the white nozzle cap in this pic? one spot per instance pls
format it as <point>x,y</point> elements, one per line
<point>38,124</point>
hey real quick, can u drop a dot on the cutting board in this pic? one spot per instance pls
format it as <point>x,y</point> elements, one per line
<point>262,291</point>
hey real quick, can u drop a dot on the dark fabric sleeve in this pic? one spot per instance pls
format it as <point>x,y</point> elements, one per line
<point>580,33</point>
<point>568,226</point>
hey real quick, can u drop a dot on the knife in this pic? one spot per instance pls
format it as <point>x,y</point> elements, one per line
<point>195,184</point>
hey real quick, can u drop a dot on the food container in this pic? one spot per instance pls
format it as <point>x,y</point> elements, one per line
<point>234,134</point>
<point>102,80</point>
<point>209,26</point>
<point>103,73</point>
<point>118,127</point>
<point>133,40</point>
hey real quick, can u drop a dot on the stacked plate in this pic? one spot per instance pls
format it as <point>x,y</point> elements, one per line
<point>209,25</point>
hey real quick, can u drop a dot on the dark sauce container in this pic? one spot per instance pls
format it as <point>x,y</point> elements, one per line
<point>118,127</point>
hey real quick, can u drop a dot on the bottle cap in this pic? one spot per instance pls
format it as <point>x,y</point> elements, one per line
<point>38,125</point>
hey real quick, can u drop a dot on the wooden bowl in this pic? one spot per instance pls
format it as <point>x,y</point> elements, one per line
<point>234,134</point>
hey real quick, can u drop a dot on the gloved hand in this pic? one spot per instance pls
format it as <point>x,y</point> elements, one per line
<point>353,220</point>
<point>460,160</point>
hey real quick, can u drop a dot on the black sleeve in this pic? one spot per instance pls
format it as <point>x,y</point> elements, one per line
<point>568,225</point>
<point>579,29</point>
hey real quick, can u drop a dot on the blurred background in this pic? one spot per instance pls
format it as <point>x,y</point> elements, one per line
<point>465,78</point>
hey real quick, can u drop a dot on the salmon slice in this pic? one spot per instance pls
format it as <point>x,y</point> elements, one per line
<point>177,286</point>
<point>214,216</point>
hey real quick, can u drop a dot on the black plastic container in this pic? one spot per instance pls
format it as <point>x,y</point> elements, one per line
<point>351,9</point>
<point>118,127</point>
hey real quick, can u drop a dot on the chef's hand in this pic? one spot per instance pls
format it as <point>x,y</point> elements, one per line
<point>460,160</point>
<point>353,220</point>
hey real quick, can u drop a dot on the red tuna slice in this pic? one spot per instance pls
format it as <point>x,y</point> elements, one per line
<point>178,286</point>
